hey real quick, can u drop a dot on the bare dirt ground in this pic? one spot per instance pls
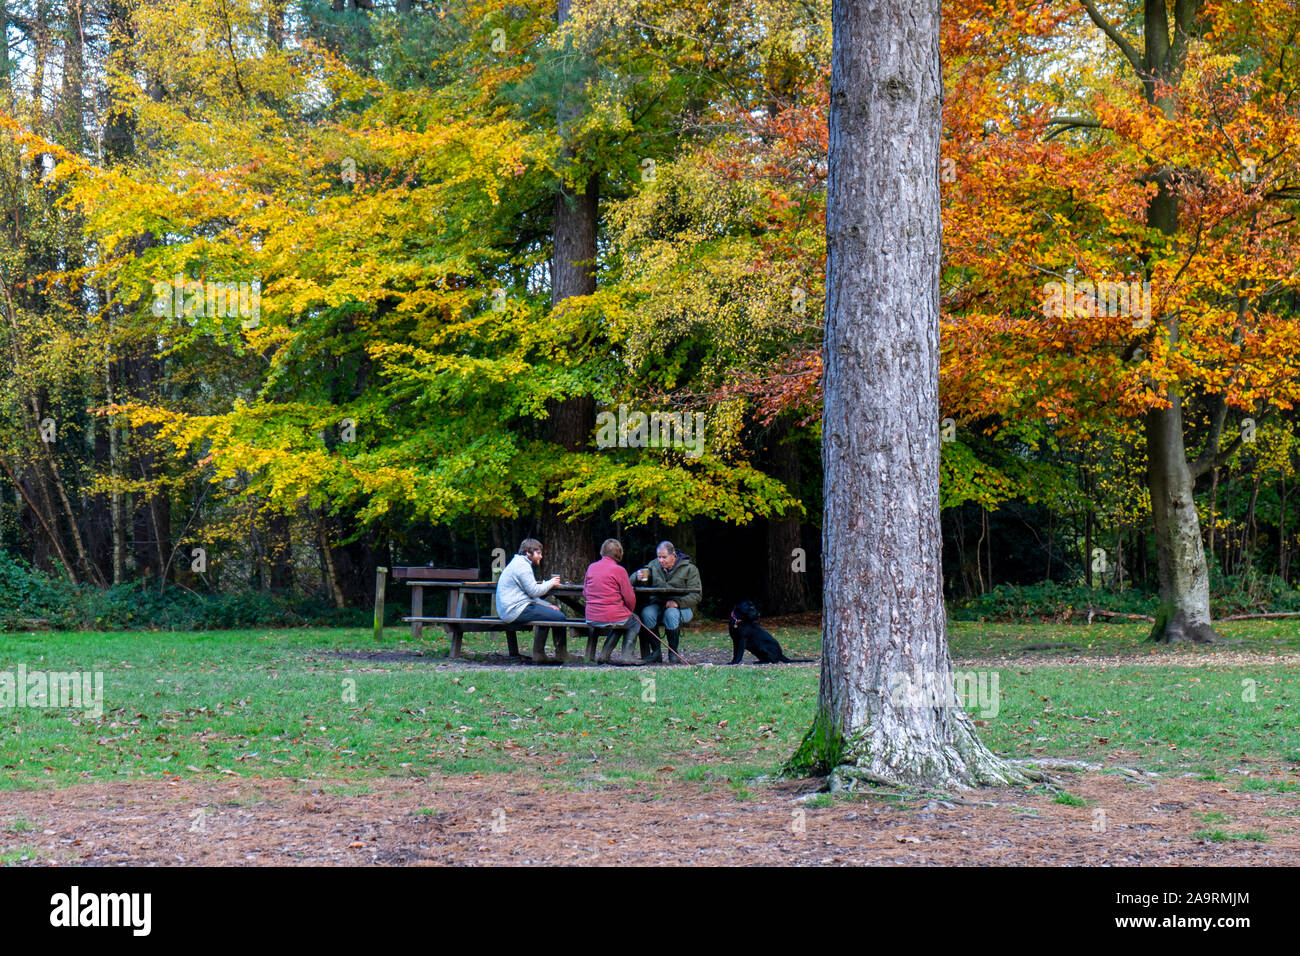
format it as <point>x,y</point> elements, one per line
<point>520,820</point>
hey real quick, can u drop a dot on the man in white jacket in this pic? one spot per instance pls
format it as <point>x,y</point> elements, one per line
<point>519,592</point>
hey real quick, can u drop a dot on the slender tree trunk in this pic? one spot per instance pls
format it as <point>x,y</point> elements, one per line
<point>786,591</point>
<point>117,526</point>
<point>279,534</point>
<point>1184,610</point>
<point>886,710</point>
<point>1087,528</point>
<point>6,87</point>
<point>1183,613</point>
<point>1214,509</point>
<point>327,558</point>
<point>275,23</point>
<point>51,535</point>
<point>1281,535</point>
<point>138,369</point>
<point>152,522</point>
<point>40,44</point>
<point>91,569</point>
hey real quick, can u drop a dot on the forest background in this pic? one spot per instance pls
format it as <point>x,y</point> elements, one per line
<point>293,290</point>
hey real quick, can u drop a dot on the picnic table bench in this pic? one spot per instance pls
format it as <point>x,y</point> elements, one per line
<point>459,583</point>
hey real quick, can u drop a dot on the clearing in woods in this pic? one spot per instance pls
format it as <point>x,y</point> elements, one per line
<point>296,747</point>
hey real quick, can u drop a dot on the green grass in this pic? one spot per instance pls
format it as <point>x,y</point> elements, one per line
<point>18,854</point>
<point>284,703</point>
<point>1099,639</point>
<point>1070,800</point>
<point>349,790</point>
<point>1272,786</point>
<point>1219,836</point>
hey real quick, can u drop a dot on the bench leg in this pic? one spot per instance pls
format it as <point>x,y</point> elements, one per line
<point>454,632</point>
<point>592,639</point>
<point>562,645</point>
<point>417,610</point>
<point>512,643</point>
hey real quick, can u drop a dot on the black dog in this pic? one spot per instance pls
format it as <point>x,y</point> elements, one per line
<point>748,636</point>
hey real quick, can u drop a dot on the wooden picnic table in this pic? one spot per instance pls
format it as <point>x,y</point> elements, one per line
<point>456,623</point>
<point>458,591</point>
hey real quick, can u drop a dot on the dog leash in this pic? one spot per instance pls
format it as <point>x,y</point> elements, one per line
<point>659,641</point>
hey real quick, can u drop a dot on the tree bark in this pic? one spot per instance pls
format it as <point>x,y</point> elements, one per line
<point>1183,613</point>
<point>280,552</point>
<point>327,563</point>
<point>152,518</point>
<point>275,23</point>
<point>886,711</point>
<point>1184,610</point>
<point>571,422</point>
<point>34,508</point>
<point>786,590</point>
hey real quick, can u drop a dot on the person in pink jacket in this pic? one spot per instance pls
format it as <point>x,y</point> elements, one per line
<point>610,602</point>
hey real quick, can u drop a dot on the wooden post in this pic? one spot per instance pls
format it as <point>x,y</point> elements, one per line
<point>417,609</point>
<point>381,575</point>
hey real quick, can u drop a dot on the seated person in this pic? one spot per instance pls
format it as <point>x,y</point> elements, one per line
<point>519,592</point>
<point>670,569</point>
<point>610,600</point>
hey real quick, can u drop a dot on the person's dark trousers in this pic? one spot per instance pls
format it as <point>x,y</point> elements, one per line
<point>544,612</point>
<point>538,612</point>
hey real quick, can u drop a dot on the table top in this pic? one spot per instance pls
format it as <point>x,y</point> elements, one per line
<point>558,589</point>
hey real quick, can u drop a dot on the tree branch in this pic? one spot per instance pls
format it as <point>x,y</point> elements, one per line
<point>1128,49</point>
<point>1185,12</point>
<point>1067,123</point>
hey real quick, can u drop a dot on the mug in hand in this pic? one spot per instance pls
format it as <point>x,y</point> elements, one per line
<point>643,574</point>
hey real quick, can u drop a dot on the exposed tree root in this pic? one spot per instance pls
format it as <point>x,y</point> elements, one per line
<point>1174,628</point>
<point>963,763</point>
<point>1190,634</point>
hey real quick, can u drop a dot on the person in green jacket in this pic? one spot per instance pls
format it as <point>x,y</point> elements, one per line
<point>670,569</point>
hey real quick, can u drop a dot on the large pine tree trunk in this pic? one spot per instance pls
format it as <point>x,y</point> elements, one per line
<point>885,650</point>
<point>571,423</point>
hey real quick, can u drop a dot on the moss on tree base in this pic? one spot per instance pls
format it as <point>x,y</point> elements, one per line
<point>1172,627</point>
<point>873,757</point>
<point>819,753</point>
